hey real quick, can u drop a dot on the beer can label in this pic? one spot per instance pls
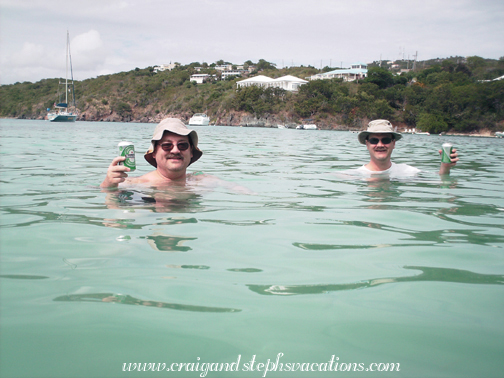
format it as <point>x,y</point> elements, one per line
<point>446,152</point>
<point>128,150</point>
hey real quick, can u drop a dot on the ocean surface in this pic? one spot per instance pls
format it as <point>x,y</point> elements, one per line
<point>284,264</point>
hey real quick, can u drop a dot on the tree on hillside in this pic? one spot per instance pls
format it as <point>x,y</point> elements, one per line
<point>264,65</point>
<point>380,76</point>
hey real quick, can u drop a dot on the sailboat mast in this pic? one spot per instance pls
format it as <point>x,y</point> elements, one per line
<point>71,74</point>
<point>66,73</point>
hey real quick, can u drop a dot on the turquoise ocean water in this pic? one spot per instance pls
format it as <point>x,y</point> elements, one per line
<point>308,268</point>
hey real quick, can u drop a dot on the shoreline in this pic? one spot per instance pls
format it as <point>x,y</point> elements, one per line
<point>485,133</point>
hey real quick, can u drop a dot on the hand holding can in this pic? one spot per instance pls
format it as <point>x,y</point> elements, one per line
<point>127,150</point>
<point>446,150</point>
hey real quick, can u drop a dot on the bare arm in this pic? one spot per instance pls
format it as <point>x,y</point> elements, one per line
<point>115,174</point>
<point>446,167</point>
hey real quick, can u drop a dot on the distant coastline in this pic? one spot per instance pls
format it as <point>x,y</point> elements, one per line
<point>485,133</point>
<point>451,96</point>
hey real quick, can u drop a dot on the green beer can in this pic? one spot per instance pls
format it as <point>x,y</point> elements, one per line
<point>446,152</point>
<point>128,150</point>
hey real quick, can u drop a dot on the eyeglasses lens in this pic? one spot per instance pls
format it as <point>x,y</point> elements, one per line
<point>386,140</point>
<point>169,146</point>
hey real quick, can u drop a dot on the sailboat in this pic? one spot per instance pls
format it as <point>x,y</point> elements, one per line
<point>61,112</point>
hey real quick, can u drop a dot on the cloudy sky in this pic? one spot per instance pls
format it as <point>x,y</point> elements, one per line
<point>109,36</point>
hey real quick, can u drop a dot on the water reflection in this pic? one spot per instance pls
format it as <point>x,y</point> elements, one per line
<point>418,238</point>
<point>167,243</point>
<point>23,277</point>
<point>428,274</point>
<point>176,199</point>
<point>129,300</point>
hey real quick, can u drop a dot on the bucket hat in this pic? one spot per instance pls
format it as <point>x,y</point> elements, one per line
<point>176,126</point>
<point>379,126</point>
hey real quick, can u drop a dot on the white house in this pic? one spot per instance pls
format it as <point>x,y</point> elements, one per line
<point>224,67</point>
<point>165,67</point>
<point>226,74</point>
<point>259,81</point>
<point>289,83</point>
<point>200,78</point>
<point>357,71</point>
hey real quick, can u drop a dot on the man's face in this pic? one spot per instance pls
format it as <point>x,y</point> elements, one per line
<point>380,151</point>
<point>177,159</point>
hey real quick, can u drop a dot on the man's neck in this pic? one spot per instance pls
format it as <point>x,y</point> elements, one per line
<point>377,166</point>
<point>171,176</point>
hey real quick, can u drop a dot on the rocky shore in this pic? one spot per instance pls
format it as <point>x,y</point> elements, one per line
<point>243,119</point>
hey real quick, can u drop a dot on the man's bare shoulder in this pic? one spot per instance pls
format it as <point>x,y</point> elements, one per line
<point>200,179</point>
<point>148,178</point>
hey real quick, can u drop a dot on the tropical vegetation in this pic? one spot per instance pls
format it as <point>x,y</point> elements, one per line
<point>458,94</point>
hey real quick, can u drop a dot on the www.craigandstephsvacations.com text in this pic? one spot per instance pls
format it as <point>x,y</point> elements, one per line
<point>333,364</point>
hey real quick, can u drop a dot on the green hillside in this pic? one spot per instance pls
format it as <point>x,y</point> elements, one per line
<point>440,95</point>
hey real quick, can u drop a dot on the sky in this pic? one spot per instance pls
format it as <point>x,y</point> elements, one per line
<point>111,36</point>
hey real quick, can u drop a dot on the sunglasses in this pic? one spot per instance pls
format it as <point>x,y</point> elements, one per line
<point>386,140</point>
<point>182,146</point>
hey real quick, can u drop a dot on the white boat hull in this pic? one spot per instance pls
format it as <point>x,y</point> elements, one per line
<point>62,117</point>
<point>199,120</point>
<point>307,127</point>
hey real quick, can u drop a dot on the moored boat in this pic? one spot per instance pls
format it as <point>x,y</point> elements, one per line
<point>309,126</point>
<point>199,119</point>
<point>61,113</point>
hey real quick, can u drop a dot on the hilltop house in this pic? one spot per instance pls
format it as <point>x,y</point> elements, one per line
<point>289,83</point>
<point>165,67</point>
<point>201,78</point>
<point>226,74</point>
<point>357,71</point>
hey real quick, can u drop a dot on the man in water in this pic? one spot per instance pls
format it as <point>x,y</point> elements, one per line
<point>380,139</point>
<point>173,148</point>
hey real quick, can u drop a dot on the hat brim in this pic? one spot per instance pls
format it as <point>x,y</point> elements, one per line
<point>364,134</point>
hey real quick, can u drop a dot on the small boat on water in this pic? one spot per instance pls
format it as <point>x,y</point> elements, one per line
<point>61,113</point>
<point>309,126</point>
<point>281,127</point>
<point>199,119</point>
<point>499,134</point>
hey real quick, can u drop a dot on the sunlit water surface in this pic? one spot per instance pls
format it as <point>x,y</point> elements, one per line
<point>309,264</point>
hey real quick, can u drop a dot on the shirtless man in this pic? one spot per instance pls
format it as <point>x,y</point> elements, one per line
<point>173,148</point>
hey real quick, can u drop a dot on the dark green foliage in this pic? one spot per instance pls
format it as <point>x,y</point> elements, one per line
<point>380,76</point>
<point>431,123</point>
<point>256,100</point>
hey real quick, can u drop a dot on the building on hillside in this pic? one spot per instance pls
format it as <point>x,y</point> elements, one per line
<point>356,72</point>
<point>226,74</point>
<point>258,81</point>
<point>165,67</point>
<point>224,67</point>
<point>289,83</point>
<point>201,78</point>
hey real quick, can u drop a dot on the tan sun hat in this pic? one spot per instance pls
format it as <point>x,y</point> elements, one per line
<point>176,126</point>
<point>379,126</point>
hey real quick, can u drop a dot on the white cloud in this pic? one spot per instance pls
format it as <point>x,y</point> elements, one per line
<point>119,35</point>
